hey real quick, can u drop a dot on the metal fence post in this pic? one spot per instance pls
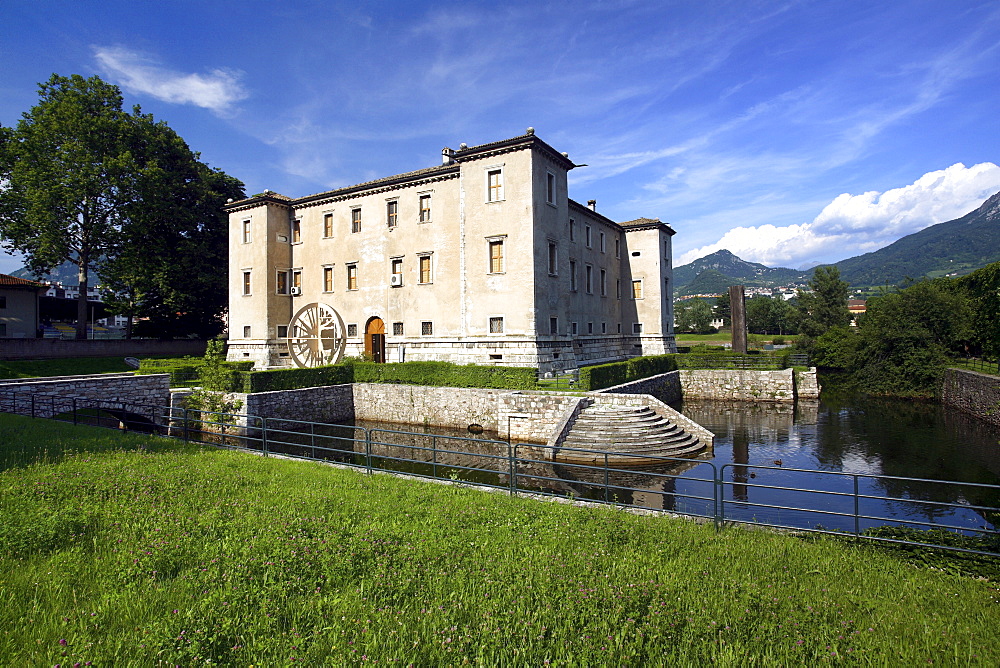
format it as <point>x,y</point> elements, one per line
<point>720,509</point>
<point>511,467</point>
<point>263,435</point>
<point>513,471</point>
<point>368,450</point>
<point>434,456</point>
<point>606,477</point>
<point>312,438</point>
<point>186,436</point>
<point>857,519</point>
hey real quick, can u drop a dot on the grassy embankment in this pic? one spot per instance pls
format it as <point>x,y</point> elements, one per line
<point>69,366</point>
<point>726,337</point>
<point>171,556</point>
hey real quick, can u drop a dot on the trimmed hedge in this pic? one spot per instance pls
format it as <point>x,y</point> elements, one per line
<point>186,372</point>
<point>442,374</point>
<point>615,373</point>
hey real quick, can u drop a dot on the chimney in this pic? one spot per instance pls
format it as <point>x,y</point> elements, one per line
<point>447,156</point>
<point>592,204</point>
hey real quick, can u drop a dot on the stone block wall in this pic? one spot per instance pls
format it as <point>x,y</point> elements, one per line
<point>432,406</point>
<point>738,385</point>
<point>331,404</point>
<point>972,392</point>
<point>532,417</point>
<point>666,387</point>
<point>145,395</point>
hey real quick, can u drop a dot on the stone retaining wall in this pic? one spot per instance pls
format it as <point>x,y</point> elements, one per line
<point>666,387</point>
<point>972,392</point>
<point>144,395</point>
<point>738,385</point>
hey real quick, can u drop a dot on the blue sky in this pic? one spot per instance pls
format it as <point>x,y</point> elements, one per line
<point>790,133</point>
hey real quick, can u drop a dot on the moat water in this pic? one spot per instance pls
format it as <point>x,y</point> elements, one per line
<point>896,449</point>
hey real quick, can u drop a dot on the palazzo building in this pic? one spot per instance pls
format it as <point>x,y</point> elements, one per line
<point>481,259</point>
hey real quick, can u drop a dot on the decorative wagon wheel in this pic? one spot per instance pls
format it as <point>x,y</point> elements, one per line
<point>316,336</point>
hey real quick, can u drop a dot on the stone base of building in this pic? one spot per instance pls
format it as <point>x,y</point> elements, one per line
<point>548,354</point>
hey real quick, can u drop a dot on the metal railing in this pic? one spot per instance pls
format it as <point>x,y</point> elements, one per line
<point>755,362</point>
<point>854,505</point>
<point>981,365</point>
<point>568,379</point>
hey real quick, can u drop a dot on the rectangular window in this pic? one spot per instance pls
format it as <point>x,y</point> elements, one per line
<point>588,236</point>
<point>572,275</point>
<point>282,331</point>
<point>590,328</point>
<point>637,289</point>
<point>391,213</point>
<point>619,328</point>
<point>352,330</point>
<point>3,298</point>
<point>297,280</point>
<point>553,259</point>
<point>496,256</point>
<point>494,185</point>
<point>296,232</point>
<point>604,283</point>
<point>496,325</point>
<point>618,288</point>
<point>355,221</point>
<point>572,328</point>
<point>572,230</point>
<point>426,328</point>
<point>618,248</point>
<point>425,269</point>
<point>282,283</point>
<point>396,269</point>
<point>604,328</point>
<point>397,329</point>
<point>590,279</point>
<point>327,279</point>
<point>550,187</point>
<point>246,231</point>
<point>637,328</point>
<point>553,326</point>
<point>327,225</point>
<point>352,277</point>
<point>425,208</point>
<point>246,331</point>
<point>246,282</point>
<point>603,246</point>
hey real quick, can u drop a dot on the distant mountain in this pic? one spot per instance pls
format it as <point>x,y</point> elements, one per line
<point>952,248</point>
<point>66,273</point>
<point>716,272</point>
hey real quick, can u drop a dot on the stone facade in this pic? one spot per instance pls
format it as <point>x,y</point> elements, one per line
<point>972,392</point>
<point>483,259</point>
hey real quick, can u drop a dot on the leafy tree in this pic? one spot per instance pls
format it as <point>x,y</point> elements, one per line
<point>693,315</point>
<point>724,309</point>
<point>83,181</point>
<point>769,315</point>
<point>825,304</point>
<point>982,287</point>
<point>905,337</point>
<point>68,173</point>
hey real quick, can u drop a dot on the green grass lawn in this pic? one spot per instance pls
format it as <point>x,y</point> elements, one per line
<point>727,337</point>
<point>70,366</point>
<point>119,549</point>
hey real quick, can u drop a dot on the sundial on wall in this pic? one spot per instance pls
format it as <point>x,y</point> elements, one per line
<point>316,336</point>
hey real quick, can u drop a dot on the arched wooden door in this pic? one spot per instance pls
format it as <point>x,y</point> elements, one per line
<point>375,340</point>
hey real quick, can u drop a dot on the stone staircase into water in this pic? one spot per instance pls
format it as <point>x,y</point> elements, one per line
<point>631,435</point>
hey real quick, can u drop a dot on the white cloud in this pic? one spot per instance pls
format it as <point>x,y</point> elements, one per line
<point>217,90</point>
<point>855,224</point>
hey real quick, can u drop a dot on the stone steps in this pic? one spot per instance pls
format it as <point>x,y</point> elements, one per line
<point>625,432</point>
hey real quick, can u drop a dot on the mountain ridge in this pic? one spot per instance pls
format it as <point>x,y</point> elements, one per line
<point>952,248</point>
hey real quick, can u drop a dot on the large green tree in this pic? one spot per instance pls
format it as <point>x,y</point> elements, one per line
<point>824,305</point>
<point>692,315</point>
<point>982,287</point>
<point>82,180</point>
<point>770,315</point>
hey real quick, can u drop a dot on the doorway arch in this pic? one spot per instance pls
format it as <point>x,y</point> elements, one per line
<point>375,339</point>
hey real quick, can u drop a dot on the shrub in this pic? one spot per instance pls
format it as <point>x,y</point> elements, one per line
<point>183,372</point>
<point>615,373</point>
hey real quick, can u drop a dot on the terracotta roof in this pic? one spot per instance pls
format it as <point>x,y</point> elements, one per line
<point>14,282</point>
<point>647,223</point>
